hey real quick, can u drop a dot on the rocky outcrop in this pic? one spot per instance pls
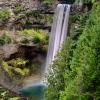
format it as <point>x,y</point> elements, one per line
<point>32,14</point>
<point>26,14</point>
<point>32,53</point>
<point>7,50</point>
<point>8,83</point>
<point>27,4</point>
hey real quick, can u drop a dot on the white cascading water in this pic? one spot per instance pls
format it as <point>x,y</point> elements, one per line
<point>58,32</point>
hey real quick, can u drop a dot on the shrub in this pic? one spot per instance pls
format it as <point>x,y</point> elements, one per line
<point>24,40</point>
<point>48,2</point>
<point>35,36</point>
<point>87,1</point>
<point>4,14</point>
<point>18,9</point>
<point>40,36</point>
<point>5,39</point>
<point>16,67</point>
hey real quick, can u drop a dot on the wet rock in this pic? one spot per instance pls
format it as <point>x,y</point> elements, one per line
<point>7,50</point>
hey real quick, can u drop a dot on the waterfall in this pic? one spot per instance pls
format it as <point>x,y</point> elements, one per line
<point>57,37</point>
<point>58,32</point>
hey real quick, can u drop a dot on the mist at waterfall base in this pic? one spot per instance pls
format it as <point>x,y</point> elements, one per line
<point>57,37</point>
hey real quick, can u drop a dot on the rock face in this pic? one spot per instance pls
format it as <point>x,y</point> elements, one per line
<point>24,12</point>
<point>7,50</point>
<point>28,52</point>
<point>8,83</point>
<point>12,51</point>
<point>27,4</point>
<point>29,13</point>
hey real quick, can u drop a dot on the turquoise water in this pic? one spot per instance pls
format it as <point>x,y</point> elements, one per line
<point>35,92</point>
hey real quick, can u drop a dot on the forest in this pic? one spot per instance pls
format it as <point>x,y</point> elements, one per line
<point>25,31</point>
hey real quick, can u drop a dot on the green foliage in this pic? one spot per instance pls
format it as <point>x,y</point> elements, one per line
<point>14,98</point>
<point>86,1</point>
<point>35,36</point>
<point>61,65</point>
<point>18,9</point>
<point>77,22</point>
<point>25,40</point>
<point>28,18</point>
<point>56,78</point>
<point>82,82</point>
<point>5,39</point>
<point>76,70</point>
<point>48,2</point>
<point>7,95</point>
<point>16,67</point>
<point>4,14</point>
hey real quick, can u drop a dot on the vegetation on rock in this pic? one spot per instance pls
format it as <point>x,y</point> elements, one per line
<point>5,39</point>
<point>27,37</point>
<point>16,67</point>
<point>35,36</point>
<point>4,15</point>
<point>76,69</point>
<point>86,1</point>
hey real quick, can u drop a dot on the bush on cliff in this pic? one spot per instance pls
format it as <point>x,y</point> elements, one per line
<point>4,15</point>
<point>5,39</point>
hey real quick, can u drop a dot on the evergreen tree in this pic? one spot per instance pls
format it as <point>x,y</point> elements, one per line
<point>82,82</point>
